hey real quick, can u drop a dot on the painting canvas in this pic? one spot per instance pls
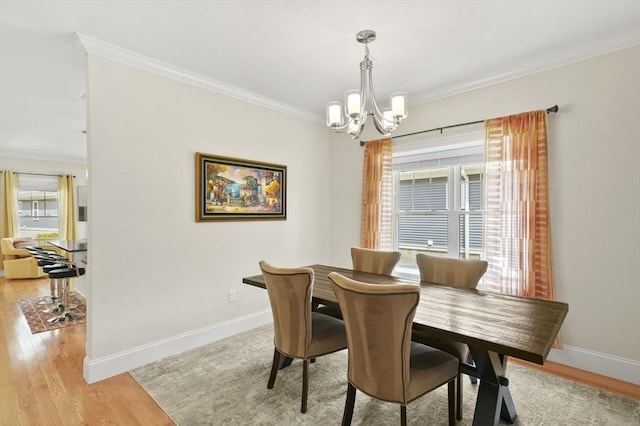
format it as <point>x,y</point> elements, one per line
<point>236,189</point>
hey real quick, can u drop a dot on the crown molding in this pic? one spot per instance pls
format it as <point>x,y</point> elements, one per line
<point>576,55</point>
<point>128,57</point>
<point>85,44</point>
<point>48,157</point>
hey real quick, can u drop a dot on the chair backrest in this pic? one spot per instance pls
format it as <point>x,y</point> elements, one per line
<point>378,319</point>
<point>446,270</point>
<point>10,251</point>
<point>290,292</point>
<point>374,261</point>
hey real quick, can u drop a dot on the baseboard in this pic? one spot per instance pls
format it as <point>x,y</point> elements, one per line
<point>105,367</point>
<point>608,365</point>
<point>99,369</point>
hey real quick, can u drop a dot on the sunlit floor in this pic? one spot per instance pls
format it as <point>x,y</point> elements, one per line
<point>41,380</point>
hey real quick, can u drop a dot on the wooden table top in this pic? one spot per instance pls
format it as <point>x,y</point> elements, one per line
<point>521,327</point>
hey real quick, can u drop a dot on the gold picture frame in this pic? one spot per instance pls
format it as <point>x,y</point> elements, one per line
<point>230,188</point>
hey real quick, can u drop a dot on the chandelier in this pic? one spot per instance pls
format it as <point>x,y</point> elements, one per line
<point>361,104</point>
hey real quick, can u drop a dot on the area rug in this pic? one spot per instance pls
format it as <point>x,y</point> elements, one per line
<point>225,383</point>
<point>37,320</point>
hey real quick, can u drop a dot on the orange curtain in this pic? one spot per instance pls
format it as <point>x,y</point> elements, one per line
<point>377,195</point>
<point>517,223</point>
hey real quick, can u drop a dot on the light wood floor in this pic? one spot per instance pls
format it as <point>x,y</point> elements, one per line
<point>41,379</point>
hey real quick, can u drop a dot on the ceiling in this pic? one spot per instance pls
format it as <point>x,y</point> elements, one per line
<point>301,54</point>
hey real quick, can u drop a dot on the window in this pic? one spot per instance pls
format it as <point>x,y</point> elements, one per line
<point>438,186</point>
<point>37,206</point>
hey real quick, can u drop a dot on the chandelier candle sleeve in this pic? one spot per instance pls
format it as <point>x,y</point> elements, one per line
<point>387,115</point>
<point>334,114</point>
<point>361,104</point>
<point>399,105</point>
<point>352,100</point>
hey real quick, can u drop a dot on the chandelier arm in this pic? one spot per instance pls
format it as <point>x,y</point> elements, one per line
<point>357,134</point>
<point>341,129</point>
<point>362,119</point>
<point>380,128</point>
<point>376,110</point>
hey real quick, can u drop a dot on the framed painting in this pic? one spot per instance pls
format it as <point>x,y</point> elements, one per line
<point>236,189</point>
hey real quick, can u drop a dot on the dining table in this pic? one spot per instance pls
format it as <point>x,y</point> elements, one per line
<point>495,326</point>
<point>70,246</point>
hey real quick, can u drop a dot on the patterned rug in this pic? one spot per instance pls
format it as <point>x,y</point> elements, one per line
<point>225,383</point>
<point>37,320</point>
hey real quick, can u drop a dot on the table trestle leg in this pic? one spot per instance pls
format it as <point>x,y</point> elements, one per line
<point>494,400</point>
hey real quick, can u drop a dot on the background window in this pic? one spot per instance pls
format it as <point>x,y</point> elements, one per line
<point>439,201</point>
<point>39,194</point>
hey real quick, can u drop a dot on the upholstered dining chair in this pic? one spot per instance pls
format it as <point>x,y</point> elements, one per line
<point>366,260</point>
<point>456,272</point>
<point>374,261</point>
<point>298,332</point>
<point>383,361</point>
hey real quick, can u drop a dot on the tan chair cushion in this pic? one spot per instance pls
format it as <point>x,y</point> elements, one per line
<point>430,368</point>
<point>366,260</point>
<point>450,271</point>
<point>456,272</point>
<point>382,362</point>
<point>297,332</point>
<point>374,261</point>
<point>457,349</point>
<point>328,335</point>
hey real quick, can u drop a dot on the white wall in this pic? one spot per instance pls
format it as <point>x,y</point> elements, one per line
<point>159,281</point>
<point>594,152</point>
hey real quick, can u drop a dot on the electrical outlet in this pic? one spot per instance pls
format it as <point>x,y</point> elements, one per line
<point>232,295</point>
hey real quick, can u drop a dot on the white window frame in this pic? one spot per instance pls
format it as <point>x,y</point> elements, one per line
<point>35,189</point>
<point>34,210</point>
<point>432,152</point>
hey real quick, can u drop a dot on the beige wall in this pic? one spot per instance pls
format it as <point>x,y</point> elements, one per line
<point>595,195</point>
<point>154,293</point>
<point>160,281</point>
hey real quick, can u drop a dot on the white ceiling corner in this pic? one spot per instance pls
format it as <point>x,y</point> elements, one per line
<point>262,52</point>
<point>128,57</point>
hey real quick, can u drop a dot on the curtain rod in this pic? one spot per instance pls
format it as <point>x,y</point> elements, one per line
<point>549,110</point>
<point>34,174</point>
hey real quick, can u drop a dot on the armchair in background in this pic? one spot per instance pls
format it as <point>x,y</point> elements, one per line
<point>16,259</point>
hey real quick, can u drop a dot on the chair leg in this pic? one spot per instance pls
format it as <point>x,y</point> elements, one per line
<point>274,368</point>
<point>305,385</point>
<point>403,415</point>
<point>459,397</point>
<point>348,405</point>
<point>451,397</point>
